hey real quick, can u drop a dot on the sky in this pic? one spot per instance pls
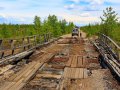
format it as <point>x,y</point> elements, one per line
<point>81,12</point>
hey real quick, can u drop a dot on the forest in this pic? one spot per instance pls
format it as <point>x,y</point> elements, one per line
<point>50,25</point>
<point>109,25</point>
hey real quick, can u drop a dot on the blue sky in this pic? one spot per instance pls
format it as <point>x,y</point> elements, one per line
<point>80,12</point>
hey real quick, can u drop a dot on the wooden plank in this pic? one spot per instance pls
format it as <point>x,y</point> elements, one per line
<point>74,61</point>
<point>65,72</point>
<point>85,73</point>
<point>8,86</point>
<point>46,57</point>
<point>77,73</point>
<point>80,62</point>
<point>85,61</point>
<point>69,61</point>
<point>28,77</point>
<point>15,86</point>
<point>21,71</point>
<point>24,72</point>
<point>5,85</point>
<point>30,70</point>
<point>20,86</point>
<point>73,72</point>
<point>80,73</point>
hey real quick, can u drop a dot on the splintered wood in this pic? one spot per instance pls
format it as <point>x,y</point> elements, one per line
<point>75,73</point>
<point>76,61</point>
<point>18,80</point>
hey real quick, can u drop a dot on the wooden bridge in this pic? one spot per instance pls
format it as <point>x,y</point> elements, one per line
<point>67,63</point>
<point>12,50</point>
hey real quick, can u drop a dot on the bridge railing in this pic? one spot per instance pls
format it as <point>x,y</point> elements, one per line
<point>14,46</point>
<point>110,45</point>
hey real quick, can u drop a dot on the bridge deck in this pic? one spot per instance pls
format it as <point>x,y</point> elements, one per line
<point>71,64</point>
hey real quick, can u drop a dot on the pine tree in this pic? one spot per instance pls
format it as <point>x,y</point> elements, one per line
<point>109,21</point>
<point>37,24</point>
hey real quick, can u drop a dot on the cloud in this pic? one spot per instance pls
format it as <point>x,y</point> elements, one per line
<point>96,2</point>
<point>80,19</point>
<point>92,8</point>
<point>85,5</point>
<point>15,20</point>
<point>70,7</point>
<point>81,11</point>
<point>88,1</point>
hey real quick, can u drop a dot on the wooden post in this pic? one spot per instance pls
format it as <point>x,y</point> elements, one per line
<point>2,53</point>
<point>28,41</point>
<point>34,40</point>
<point>23,43</point>
<point>12,45</point>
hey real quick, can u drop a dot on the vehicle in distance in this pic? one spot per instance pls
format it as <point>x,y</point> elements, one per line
<point>75,32</point>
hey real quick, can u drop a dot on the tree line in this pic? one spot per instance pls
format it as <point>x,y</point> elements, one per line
<point>109,25</point>
<point>50,25</point>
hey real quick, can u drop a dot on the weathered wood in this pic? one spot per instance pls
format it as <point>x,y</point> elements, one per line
<point>80,61</point>
<point>22,44</point>
<point>68,64</point>
<point>74,61</point>
<point>74,73</point>
<point>27,77</point>
<point>8,86</point>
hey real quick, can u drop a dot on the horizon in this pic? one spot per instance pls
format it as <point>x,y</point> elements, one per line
<point>80,12</point>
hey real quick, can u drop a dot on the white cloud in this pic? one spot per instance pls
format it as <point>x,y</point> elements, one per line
<point>79,19</point>
<point>72,6</point>
<point>87,12</point>
<point>113,1</point>
<point>89,1</point>
<point>96,2</point>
